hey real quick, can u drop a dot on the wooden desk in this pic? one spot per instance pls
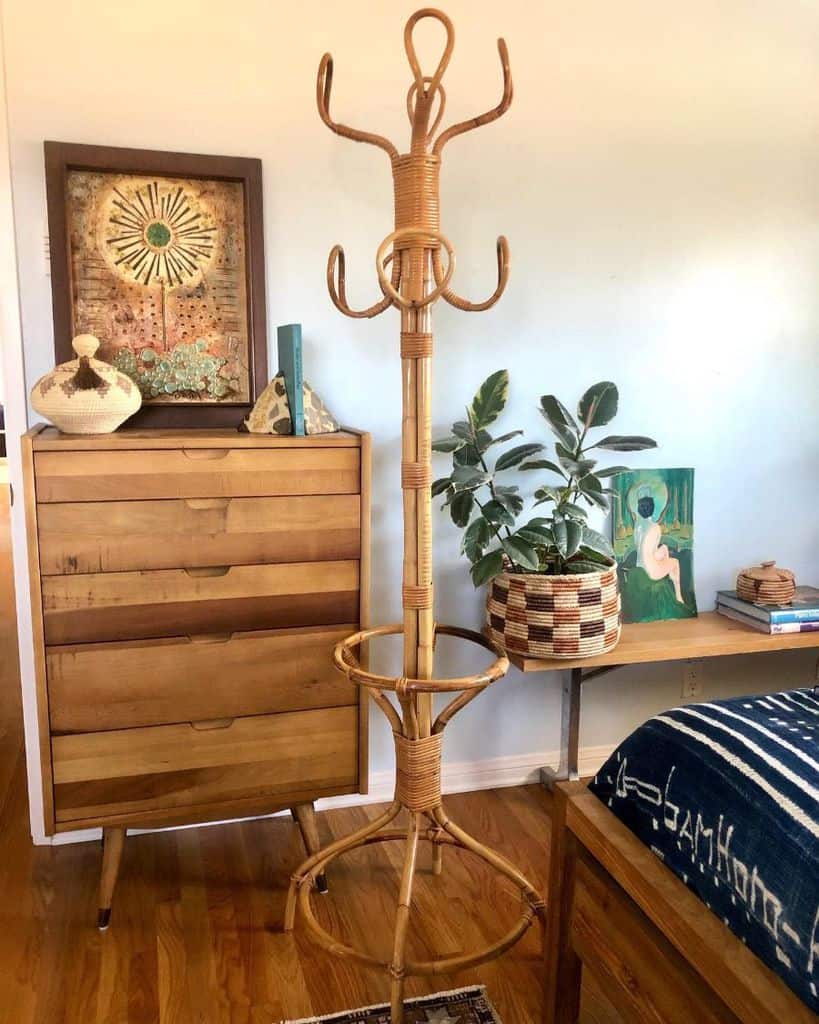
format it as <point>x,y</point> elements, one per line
<point>709,636</point>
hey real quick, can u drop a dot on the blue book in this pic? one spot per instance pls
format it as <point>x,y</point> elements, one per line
<point>803,608</point>
<point>290,364</point>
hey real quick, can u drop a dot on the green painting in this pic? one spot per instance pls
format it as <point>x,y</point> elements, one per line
<point>653,537</point>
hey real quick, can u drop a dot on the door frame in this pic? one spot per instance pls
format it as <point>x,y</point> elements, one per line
<point>17,422</point>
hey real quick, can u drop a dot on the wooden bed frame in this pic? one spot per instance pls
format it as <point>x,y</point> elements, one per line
<point>657,952</point>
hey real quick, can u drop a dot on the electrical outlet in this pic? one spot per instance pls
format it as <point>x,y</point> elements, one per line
<point>691,679</point>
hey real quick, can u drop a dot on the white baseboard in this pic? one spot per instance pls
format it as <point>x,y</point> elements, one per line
<point>458,777</point>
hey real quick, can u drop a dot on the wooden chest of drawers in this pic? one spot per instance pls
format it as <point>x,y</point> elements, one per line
<point>188,588</point>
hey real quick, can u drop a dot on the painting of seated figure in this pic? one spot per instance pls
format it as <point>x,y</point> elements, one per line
<point>653,538</point>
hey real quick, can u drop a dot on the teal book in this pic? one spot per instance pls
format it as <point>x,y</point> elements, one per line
<point>290,364</point>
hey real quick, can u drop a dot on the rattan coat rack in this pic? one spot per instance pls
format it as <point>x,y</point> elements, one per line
<point>412,277</point>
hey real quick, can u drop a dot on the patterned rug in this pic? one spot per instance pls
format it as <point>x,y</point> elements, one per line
<point>463,1006</point>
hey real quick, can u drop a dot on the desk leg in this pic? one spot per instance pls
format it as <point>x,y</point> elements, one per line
<point>567,768</point>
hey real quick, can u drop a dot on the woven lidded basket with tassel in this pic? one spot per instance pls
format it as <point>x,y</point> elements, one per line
<point>86,395</point>
<point>573,616</point>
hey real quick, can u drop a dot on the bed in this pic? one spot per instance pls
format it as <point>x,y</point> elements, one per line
<point>686,875</point>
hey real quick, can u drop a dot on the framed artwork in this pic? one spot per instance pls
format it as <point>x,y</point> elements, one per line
<point>653,538</point>
<point>161,256</point>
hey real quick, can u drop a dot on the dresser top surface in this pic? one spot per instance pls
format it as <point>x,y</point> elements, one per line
<point>45,438</point>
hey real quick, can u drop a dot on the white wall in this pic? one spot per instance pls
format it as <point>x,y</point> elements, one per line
<point>657,177</point>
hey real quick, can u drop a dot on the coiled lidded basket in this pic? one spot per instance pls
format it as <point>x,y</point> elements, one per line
<point>572,616</point>
<point>86,395</point>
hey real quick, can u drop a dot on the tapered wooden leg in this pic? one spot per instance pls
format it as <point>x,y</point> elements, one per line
<point>563,966</point>
<point>305,817</point>
<point>113,840</point>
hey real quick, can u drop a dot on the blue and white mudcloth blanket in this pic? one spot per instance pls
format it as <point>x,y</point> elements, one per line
<point>726,794</point>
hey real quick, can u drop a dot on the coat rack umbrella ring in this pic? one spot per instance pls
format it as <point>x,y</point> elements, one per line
<point>412,276</point>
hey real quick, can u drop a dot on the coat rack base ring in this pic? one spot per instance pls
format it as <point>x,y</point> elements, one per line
<point>418,792</point>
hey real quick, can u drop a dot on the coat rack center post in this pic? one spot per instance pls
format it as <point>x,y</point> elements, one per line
<point>414,265</point>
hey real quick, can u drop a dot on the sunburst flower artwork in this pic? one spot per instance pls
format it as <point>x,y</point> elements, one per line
<point>159,234</point>
<point>158,267</point>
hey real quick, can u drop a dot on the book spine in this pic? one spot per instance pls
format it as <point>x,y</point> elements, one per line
<point>768,615</point>
<point>745,608</point>
<point>773,628</point>
<point>795,615</point>
<point>298,385</point>
<point>290,364</point>
<point>732,613</point>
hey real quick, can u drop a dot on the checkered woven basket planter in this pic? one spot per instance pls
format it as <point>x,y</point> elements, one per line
<point>554,616</point>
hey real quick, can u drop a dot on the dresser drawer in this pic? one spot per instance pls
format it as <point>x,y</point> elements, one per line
<point>97,607</point>
<point>93,687</point>
<point>112,536</point>
<point>266,760</point>
<point>195,473</point>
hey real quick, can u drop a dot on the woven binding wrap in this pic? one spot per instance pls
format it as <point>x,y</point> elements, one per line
<point>415,475</point>
<point>418,772</point>
<point>416,345</point>
<point>416,597</point>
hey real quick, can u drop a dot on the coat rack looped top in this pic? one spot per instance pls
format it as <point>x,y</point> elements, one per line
<point>415,265</point>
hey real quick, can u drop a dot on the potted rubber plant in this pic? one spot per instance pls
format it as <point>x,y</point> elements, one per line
<point>552,578</point>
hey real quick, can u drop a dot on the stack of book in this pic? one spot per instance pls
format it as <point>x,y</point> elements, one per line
<point>800,616</point>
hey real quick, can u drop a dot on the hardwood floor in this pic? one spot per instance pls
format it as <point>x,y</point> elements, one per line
<point>195,936</point>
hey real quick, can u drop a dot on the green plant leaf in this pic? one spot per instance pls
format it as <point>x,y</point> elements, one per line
<point>505,437</point>
<point>537,536</point>
<point>462,429</point>
<point>506,488</point>
<point>574,535</point>
<point>572,511</point>
<point>592,490</point>
<point>512,501</point>
<point>521,553</point>
<point>467,456</point>
<point>580,566</point>
<point>483,440</point>
<point>626,443</point>
<point>487,568</point>
<point>541,464</point>
<point>596,542</point>
<point>599,404</point>
<point>440,485</point>
<point>497,514</point>
<point>448,444</point>
<point>560,534</point>
<point>576,468</point>
<point>610,471</point>
<point>461,508</point>
<point>450,494</point>
<point>490,399</point>
<point>517,455</point>
<point>478,534</point>
<point>467,478</point>
<point>560,420</point>
<point>593,556</point>
<point>547,493</point>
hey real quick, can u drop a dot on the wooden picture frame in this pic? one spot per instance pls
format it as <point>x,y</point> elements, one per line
<point>61,160</point>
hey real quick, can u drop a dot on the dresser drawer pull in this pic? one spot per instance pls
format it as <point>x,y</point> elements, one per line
<point>206,453</point>
<point>210,638</point>
<point>201,504</point>
<point>203,571</point>
<point>209,724</point>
